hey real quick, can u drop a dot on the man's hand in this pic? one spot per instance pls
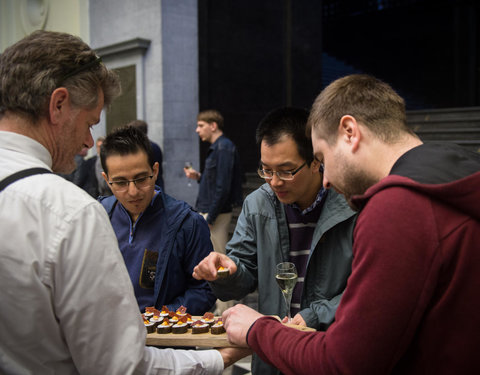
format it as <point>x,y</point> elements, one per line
<point>191,173</point>
<point>297,319</point>
<point>232,355</point>
<point>207,268</point>
<point>237,320</point>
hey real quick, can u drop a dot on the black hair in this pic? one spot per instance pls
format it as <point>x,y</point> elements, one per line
<point>124,141</point>
<point>142,125</point>
<point>286,121</point>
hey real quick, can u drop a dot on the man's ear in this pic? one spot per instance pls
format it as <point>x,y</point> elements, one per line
<point>315,165</point>
<point>214,126</point>
<point>349,132</point>
<point>105,177</point>
<point>155,171</point>
<point>59,106</point>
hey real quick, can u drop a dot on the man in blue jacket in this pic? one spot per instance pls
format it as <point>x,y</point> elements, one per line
<point>291,218</point>
<point>221,181</point>
<point>161,238</point>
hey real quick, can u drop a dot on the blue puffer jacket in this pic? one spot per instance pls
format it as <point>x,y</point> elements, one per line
<point>182,239</point>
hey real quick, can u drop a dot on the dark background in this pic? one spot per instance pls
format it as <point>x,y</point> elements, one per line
<point>259,55</point>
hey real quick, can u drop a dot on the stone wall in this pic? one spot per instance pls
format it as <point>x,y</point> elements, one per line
<point>167,85</point>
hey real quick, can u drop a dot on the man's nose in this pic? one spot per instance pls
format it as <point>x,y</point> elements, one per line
<point>326,182</point>
<point>132,188</point>
<point>89,141</point>
<point>276,180</point>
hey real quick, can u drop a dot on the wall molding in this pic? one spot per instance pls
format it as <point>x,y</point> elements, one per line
<point>136,46</point>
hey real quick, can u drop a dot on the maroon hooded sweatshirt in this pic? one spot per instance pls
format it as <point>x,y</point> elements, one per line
<point>412,302</point>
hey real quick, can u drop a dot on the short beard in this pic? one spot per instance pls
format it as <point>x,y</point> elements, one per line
<point>356,182</point>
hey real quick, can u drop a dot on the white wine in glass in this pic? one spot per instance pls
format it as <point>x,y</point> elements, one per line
<point>286,276</point>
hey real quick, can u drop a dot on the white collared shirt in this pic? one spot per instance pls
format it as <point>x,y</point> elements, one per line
<point>66,301</point>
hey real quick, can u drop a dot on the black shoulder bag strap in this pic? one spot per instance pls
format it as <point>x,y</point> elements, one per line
<point>21,174</point>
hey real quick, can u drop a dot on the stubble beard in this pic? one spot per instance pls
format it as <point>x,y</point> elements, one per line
<point>355,182</point>
<point>64,162</point>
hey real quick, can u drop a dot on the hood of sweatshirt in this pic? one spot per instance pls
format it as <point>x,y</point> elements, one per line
<point>445,172</point>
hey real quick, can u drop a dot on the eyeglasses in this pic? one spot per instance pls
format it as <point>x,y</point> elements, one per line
<point>282,175</point>
<point>140,183</point>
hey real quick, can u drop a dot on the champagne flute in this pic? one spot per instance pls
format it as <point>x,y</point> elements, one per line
<point>188,165</point>
<point>286,276</point>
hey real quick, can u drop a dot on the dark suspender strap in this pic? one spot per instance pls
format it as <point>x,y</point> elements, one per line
<point>21,174</point>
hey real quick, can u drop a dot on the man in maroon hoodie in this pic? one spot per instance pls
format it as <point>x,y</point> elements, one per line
<point>412,302</point>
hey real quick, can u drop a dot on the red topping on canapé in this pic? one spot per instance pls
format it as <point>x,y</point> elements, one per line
<point>208,316</point>
<point>181,310</point>
<point>165,309</point>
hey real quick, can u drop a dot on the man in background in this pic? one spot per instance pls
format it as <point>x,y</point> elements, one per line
<point>79,161</point>
<point>60,266</point>
<point>220,182</point>
<point>156,150</point>
<point>89,176</point>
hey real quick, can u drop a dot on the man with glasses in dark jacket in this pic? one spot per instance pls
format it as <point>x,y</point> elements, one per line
<point>291,218</point>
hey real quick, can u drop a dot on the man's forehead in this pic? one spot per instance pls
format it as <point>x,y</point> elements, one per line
<point>285,142</point>
<point>320,146</point>
<point>119,170</point>
<point>138,157</point>
<point>283,153</point>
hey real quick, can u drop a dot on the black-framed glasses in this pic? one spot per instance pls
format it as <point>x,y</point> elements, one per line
<point>267,174</point>
<point>122,185</point>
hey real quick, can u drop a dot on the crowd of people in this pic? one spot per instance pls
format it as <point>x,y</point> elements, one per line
<point>382,228</point>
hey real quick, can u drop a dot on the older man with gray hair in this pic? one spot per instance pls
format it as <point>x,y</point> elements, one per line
<point>67,302</point>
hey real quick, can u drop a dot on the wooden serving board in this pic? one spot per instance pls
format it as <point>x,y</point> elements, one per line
<point>197,340</point>
<point>188,339</point>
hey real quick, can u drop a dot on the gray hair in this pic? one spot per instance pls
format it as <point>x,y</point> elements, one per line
<point>32,68</point>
